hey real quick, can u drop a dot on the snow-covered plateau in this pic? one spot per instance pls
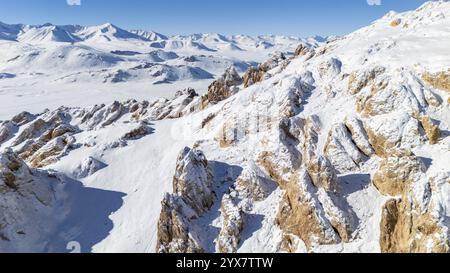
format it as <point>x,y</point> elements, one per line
<point>132,141</point>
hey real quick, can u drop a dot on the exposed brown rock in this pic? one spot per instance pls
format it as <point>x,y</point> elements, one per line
<point>12,170</point>
<point>412,223</point>
<point>173,231</point>
<point>432,130</point>
<point>223,87</point>
<point>140,132</point>
<point>253,184</point>
<point>404,229</point>
<point>395,23</point>
<point>254,75</point>
<point>323,174</point>
<point>397,172</point>
<point>303,50</point>
<point>193,180</point>
<point>439,80</point>
<point>360,79</point>
<point>193,196</point>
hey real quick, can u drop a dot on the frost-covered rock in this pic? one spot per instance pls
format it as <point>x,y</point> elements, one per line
<point>6,130</point>
<point>193,196</point>
<point>88,167</point>
<point>260,73</point>
<point>232,225</point>
<point>342,151</point>
<point>13,171</point>
<point>193,180</point>
<point>397,172</point>
<point>253,183</point>
<point>224,87</point>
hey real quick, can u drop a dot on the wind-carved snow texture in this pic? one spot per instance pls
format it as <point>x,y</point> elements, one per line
<point>338,147</point>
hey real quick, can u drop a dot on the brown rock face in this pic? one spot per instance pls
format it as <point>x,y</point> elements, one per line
<point>440,80</point>
<point>360,79</point>
<point>395,23</point>
<point>397,172</point>
<point>303,50</point>
<point>258,74</point>
<point>222,88</point>
<point>432,130</point>
<point>173,229</point>
<point>193,196</point>
<point>253,75</point>
<point>404,229</point>
<point>411,223</point>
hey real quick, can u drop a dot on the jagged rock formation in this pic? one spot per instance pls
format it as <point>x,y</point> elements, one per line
<point>224,87</point>
<point>193,196</point>
<point>413,223</point>
<point>232,225</point>
<point>260,73</point>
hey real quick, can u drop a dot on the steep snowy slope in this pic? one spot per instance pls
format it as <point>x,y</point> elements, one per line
<point>340,147</point>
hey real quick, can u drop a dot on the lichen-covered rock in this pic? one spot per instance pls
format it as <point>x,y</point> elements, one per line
<point>232,218</point>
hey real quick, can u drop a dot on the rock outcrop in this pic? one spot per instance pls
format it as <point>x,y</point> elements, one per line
<point>224,87</point>
<point>439,80</point>
<point>232,218</point>
<point>413,222</point>
<point>254,75</point>
<point>193,196</point>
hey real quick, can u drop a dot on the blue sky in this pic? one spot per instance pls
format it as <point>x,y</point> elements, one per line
<point>286,17</point>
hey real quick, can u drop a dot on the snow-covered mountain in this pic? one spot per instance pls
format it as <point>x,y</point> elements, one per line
<point>340,146</point>
<point>62,60</point>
